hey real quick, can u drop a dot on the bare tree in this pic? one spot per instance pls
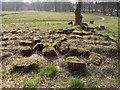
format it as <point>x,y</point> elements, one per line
<point>78,16</point>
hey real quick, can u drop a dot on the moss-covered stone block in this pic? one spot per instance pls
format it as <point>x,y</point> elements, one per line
<point>83,52</point>
<point>26,51</point>
<point>76,66</point>
<point>75,36</point>
<point>13,31</point>
<point>3,48</point>
<point>73,51</point>
<point>25,66</point>
<point>36,40</point>
<point>49,52</point>
<point>95,58</point>
<point>82,33</point>
<point>38,47</point>
<point>5,38</point>
<point>59,31</point>
<point>56,44</point>
<point>64,48</point>
<point>25,43</point>
<point>5,55</point>
<point>63,39</point>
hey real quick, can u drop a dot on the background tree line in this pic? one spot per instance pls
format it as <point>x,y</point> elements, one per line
<point>107,8</point>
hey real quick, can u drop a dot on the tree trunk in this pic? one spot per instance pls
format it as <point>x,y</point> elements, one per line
<point>78,16</point>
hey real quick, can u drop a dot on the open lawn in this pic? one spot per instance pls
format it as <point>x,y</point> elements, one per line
<point>55,20</point>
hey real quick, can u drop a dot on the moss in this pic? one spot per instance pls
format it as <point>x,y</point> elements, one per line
<point>25,43</point>
<point>75,36</point>
<point>59,31</point>
<point>38,47</point>
<point>47,45</point>
<point>70,58</point>
<point>73,51</point>
<point>26,51</point>
<point>3,48</point>
<point>64,48</point>
<point>63,39</point>
<point>56,44</point>
<point>82,33</point>
<point>36,40</point>
<point>49,52</point>
<point>95,58</point>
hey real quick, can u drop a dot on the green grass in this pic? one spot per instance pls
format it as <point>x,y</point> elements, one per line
<point>55,20</point>
<point>30,83</point>
<point>75,83</point>
<point>49,70</point>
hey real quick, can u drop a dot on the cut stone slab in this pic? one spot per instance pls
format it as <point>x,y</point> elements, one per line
<point>63,39</point>
<point>95,58</point>
<point>83,52</point>
<point>4,38</point>
<point>26,51</point>
<point>73,51</point>
<point>38,47</point>
<point>25,43</point>
<point>56,44</point>
<point>14,31</point>
<point>75,36</point>
<point>82,33</point>
<point>5,55</point>
<point>49,52</point>
<point>36,40</point>
<point>111,38</point>
<point>64,48</point>
<point>25,65</point>
<point>76,66</point>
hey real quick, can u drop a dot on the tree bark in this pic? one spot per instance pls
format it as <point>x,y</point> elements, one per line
<point>78,16</point>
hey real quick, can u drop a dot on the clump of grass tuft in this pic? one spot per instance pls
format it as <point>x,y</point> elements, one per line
<point>49,70</point>
<point>75,83</point>
<point>30,83</point>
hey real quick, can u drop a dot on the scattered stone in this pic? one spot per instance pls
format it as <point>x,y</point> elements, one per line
<point>73,51</point>
<point>56,44</point>
<point>82,33</point>
<point>111,38</point>
<point>4,38</point>
<point>91,22</point>
<point>63,39</point>
<point>26,51</point>
<point>36,40</point>
<point>49,52</point>
<point>83,52</point>
<point>25,43</point>
<point>76,65</point>
<point>38,47</point>
<point>95,58</point>
<point>13,31</point>
<point>103,27</point>
<point>72,58</point>
<point>25,65</point>
<point>64,48</point>
<point>75,36</point>
<point>5,55</point>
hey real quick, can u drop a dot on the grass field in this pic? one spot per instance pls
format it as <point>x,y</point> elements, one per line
<point>38,71</point>
<point>55,20</point>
